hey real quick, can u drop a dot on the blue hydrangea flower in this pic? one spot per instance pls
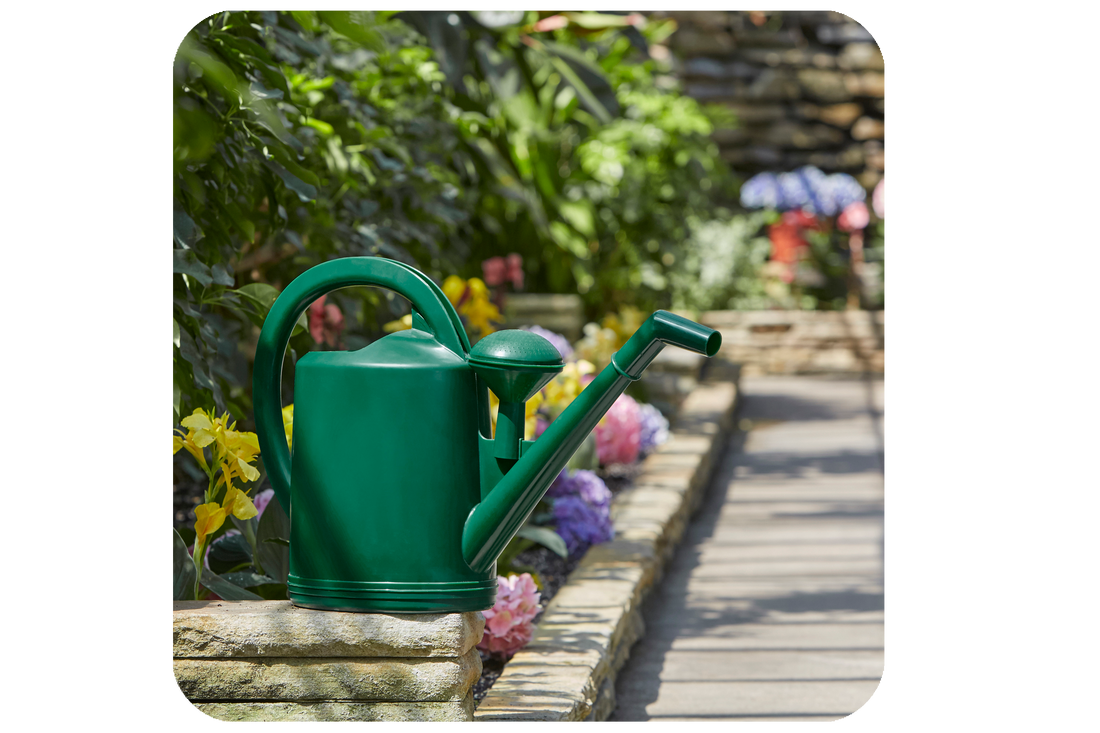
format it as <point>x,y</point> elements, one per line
<point>761,192</point>
<point>580,524</point>
<point>560,342</point>
<point>654,428</point>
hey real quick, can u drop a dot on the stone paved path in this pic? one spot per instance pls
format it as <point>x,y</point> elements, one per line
<point>772,608</point>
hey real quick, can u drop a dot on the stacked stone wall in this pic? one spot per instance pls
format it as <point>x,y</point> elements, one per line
<point>807,87</point>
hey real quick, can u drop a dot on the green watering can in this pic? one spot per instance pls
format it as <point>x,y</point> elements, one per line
<point>400,500</point>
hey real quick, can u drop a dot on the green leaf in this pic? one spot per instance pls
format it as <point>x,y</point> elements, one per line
<point>228,553</point>
<point>221,275</point>
<point>183,571</point>
<point>247,579</point>
<point>356,26</point>
<point>279,541</point>
<point>176,400</point>
<point>274,557</point>
<point>225,589</point>
<point>589,81</point>
<point>175,333</point>
<point>545,537</point>
<point>305,191</point>
<point>186,262</point>
<point>184,229</point>
<point>262,294</point>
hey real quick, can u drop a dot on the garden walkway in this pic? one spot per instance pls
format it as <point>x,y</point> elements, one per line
<point>772,608</point>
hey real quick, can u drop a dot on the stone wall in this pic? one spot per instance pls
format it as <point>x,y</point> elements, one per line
<point>801,342</point>
<point>807,88</point>
<point>269,660</point>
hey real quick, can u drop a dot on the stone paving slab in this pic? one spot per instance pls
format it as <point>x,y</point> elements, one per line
<point>772,608</point>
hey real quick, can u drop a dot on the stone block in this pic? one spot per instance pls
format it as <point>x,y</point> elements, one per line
<point>825,86</point>
<point>340,711</point>
<point>843,33</point>
<point>424,679</point>
<point>691,42</point>
<point>861,56</point>
<point>865,84</point>
<point>216,629</point>
<point>867,128</point>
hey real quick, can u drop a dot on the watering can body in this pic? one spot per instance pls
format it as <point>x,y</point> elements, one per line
<point>384,470</point>
<point>400,497</point>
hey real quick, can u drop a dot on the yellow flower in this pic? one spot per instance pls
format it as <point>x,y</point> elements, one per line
<point>479,312</point>
<point>208,519</point>
<point>531,421</point>
<point>530,417</point>
<point>288,422</point>
<point>454,288</point>
<point>238,450</point>
<point>477,288</point>
<point>199,435</point>
<point>237,503</point>
<point>403,323</point>
<point>565,387</point>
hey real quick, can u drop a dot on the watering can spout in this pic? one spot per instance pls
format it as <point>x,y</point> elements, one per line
<point>493,522</point>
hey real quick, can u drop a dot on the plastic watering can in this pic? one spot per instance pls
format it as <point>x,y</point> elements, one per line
<point>400,501</point>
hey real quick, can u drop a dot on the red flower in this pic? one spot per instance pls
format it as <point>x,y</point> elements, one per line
<point>787,240</point>
<point>326,322</point>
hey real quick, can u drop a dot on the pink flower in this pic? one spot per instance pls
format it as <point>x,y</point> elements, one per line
<point>261,501</point>
<point>326,322</point>
<point>878,199</point>
<point>619,434</point>
<point>499,270</point>
<point>514,270</point>
<point>494,271</point>
<point>508,625</point>
<point>854,217</point>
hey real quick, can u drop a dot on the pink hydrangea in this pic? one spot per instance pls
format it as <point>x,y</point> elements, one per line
<point>878,199</point>
<point>619,434</point>
<point>508,626</point>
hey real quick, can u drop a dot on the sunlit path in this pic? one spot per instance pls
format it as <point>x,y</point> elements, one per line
<point>772,609</point>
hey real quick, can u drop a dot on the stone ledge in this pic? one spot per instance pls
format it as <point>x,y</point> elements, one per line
<point>340,711</point>
<point>423,679</point>
<point>584,637</point>
<point>220,629</point>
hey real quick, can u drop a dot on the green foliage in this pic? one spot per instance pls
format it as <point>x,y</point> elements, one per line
<point>588,162</point>
<point>427,137</point>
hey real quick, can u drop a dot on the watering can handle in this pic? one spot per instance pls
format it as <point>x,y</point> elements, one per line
<point>427,299</point>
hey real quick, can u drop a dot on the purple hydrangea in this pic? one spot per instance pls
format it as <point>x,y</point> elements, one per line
<point>581,524</point>
<point>654,428</point>
<point>560,342</point>
<point>805,188</point>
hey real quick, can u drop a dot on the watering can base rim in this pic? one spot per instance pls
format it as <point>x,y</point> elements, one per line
<point>393,596</point>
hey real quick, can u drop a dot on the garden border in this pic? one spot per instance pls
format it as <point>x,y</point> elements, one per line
<point>584,637</point>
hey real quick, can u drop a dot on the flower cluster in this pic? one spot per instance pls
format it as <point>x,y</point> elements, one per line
<point>581,509</point>
<point>326,322</point>
<point>619,433</point>
<point>806,188</point>
<point>499,270</point>
<point>471,299</point>
<point>231,456</point>
<point>654,428</point>
<point>559,342</point>
<point>602,340</point>
<point>508,626</point>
